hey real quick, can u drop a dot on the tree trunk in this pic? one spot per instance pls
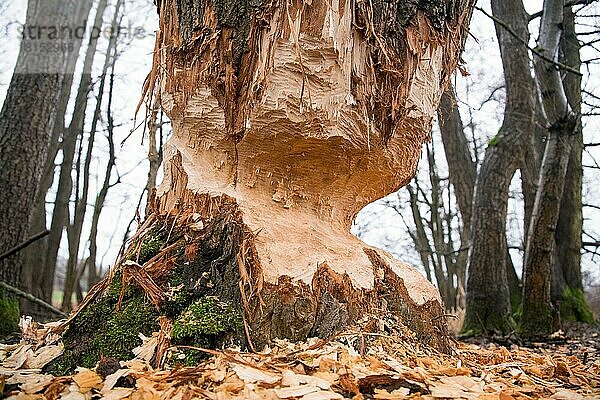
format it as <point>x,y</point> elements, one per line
<point>109,62</point>
<point>538,313</point>
<point>300,150</point>
<point>26,122</point>
<point>287,119</point>
<point>419,237</point>
<point>445,280</point>
<point>76,128</point>
<point>462,172</point>
<point>488,303</point>
<point>570,219</point>
<point>154,152</point>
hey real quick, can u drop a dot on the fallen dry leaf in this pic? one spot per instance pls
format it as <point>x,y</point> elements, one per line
<point>18,357</point>
<point>295,391</point>
<point>566,394</point>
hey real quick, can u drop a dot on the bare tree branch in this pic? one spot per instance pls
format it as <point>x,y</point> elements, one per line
<point>535,51</point>
<point>570,3</point>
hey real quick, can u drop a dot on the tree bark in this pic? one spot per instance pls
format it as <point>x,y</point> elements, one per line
<point>538,313</point>
<point>488,303</point>
<point>26,122</point>
<point>570,219</point>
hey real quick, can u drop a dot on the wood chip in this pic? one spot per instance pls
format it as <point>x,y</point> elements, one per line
<point>252,375</point>
<point>87,379</point>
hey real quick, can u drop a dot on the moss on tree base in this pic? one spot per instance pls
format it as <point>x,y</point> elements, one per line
<point>190,269</point>
<point>574,308</point>
<point>9,314</point>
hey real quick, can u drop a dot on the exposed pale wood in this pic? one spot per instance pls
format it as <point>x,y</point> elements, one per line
<point>303,113</point>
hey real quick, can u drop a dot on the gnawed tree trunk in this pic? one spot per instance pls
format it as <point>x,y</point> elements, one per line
<point>287,119</point>
<point>297,121</point>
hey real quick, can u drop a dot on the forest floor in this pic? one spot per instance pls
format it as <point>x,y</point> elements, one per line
<point>354,365</point>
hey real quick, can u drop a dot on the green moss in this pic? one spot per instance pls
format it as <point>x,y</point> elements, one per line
<point>537,324</point>
<point>494,141</point>
<point>495,324</point>
<point>207,322</point>
<point>187,357</point>
<point>516,305</point>
<point>206,316</point>
<point>9,314</point>
<point>152,243</point>
<point>574,307</point>
<point>101,330</point>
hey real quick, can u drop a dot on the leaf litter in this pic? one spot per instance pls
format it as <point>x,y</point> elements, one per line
<point>354,365</point>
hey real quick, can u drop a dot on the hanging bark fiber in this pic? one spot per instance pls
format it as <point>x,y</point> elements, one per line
<point>288,118</point>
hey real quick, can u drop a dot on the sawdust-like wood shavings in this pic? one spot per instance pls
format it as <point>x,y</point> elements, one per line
<point>389,368</point>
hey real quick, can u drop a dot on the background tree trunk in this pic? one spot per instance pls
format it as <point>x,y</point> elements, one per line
<point>567,280</point>
<point>538,313</point>
<point>35,279</point>
<point>26,122</point>
<point>488,303</point>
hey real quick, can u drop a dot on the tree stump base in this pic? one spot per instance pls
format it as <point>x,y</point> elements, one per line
<point>196,272</point>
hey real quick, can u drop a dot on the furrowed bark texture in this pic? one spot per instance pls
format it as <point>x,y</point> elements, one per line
<point>26,122</point>
<point>538,312</point>
<point>488,302</point>
<point>570,219</point>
